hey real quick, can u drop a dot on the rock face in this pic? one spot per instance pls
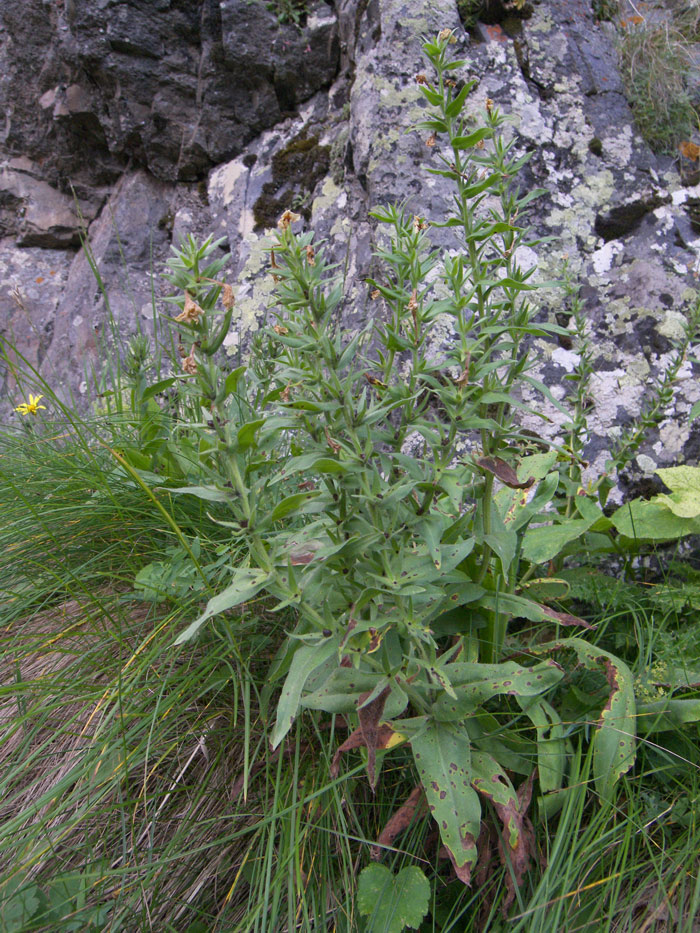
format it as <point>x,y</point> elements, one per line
<point>174,116</point>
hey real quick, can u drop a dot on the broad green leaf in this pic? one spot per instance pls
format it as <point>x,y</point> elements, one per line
<point>305,661</point>
<point>443,758</point>
<point>232,380</point>
<point>475,683</point>
<point>246,433</point>
<point>536,466</point>
<point>247,583</point>
<point>684,483</point>
<point>341,692</point>
<point>392,902</point>
<point>468,142</point>
<point>208,493</point>
<point>491,781</point>
<point>652,520</point>
<point>544,542</point>
<point>551,742</point>
<point>667,715</point>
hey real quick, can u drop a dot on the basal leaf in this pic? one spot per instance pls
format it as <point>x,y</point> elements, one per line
<point>544,542</point>
<point>475,683</point>
<point>652,520</point>
<point>392,902</point>
<point>443,758</point>
<point>615,736</point>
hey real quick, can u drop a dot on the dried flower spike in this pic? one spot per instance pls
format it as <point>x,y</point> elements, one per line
<point>191,313</point>
<point>310,255</point>
<point>289,217</point>
<point>189,364</point>
<point>430,141</point>
<point>227,298</point>
<point>446,35</point>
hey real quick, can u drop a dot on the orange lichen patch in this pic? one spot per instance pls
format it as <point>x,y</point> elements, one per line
<point>496,33</point>
<point>632,21</point>
<point>39,279</point>
<point>689,150</point>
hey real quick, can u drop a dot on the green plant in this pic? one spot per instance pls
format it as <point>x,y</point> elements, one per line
<point>606,10</point>
<point>654,65</point>
<point>357,503</point>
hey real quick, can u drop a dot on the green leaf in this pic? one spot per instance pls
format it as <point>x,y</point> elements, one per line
<point>341,692</point>
<point>455,106</point>
<point>208,493</point>
<point>468,142</point>
<point>305,661</point>
<point>231,383</point>
<point>474,683</point>
<point>615,737</point>
<point>684,483</point>
<point>544,542</point>
<point>293,503</point>
<point>652,521</point>
<point>551,742</point>
<point>667,715</point>
<point>443,758</point>
<point>246,433</point>
<point>157,388</point>
<point>392,902</point>
<point>247,582</point>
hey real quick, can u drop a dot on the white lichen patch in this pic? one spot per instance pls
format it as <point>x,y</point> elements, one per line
<point>223,181</point>
<point>566,358</point>
<point>618,146</point>
<point>602,258</point>
<point>672,439</point>
<point>673,325</point>
<point>646,464</point>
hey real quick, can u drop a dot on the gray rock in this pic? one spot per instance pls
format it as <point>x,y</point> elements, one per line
<point>263,111</point>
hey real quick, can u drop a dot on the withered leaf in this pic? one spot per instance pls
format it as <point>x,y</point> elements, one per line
<point>504,472</point>
<point>370,735</point>
<point>414,807</point>
<point>564,618</point>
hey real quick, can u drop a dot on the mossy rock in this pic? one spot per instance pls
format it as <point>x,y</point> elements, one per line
<point>296,170</point>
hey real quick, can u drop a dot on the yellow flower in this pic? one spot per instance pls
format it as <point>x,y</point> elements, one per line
<point>32,406</point>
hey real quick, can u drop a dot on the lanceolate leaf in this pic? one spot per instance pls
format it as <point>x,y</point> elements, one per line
<point>305,661</point>
<point>443,758</point>
<point>517,843</point>
<point>551,742</point>
<point>247,582</point>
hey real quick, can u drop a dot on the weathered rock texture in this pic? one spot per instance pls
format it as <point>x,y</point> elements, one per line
<point>145,121</point>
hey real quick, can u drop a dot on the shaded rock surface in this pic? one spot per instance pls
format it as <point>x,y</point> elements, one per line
<point>174,117</point>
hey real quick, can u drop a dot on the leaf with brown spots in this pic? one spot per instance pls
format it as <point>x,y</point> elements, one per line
<point>413,808</point>
<point>615,736</point>
<point>516,844</point>
<point>442,754</point>
<point>504,472</point>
